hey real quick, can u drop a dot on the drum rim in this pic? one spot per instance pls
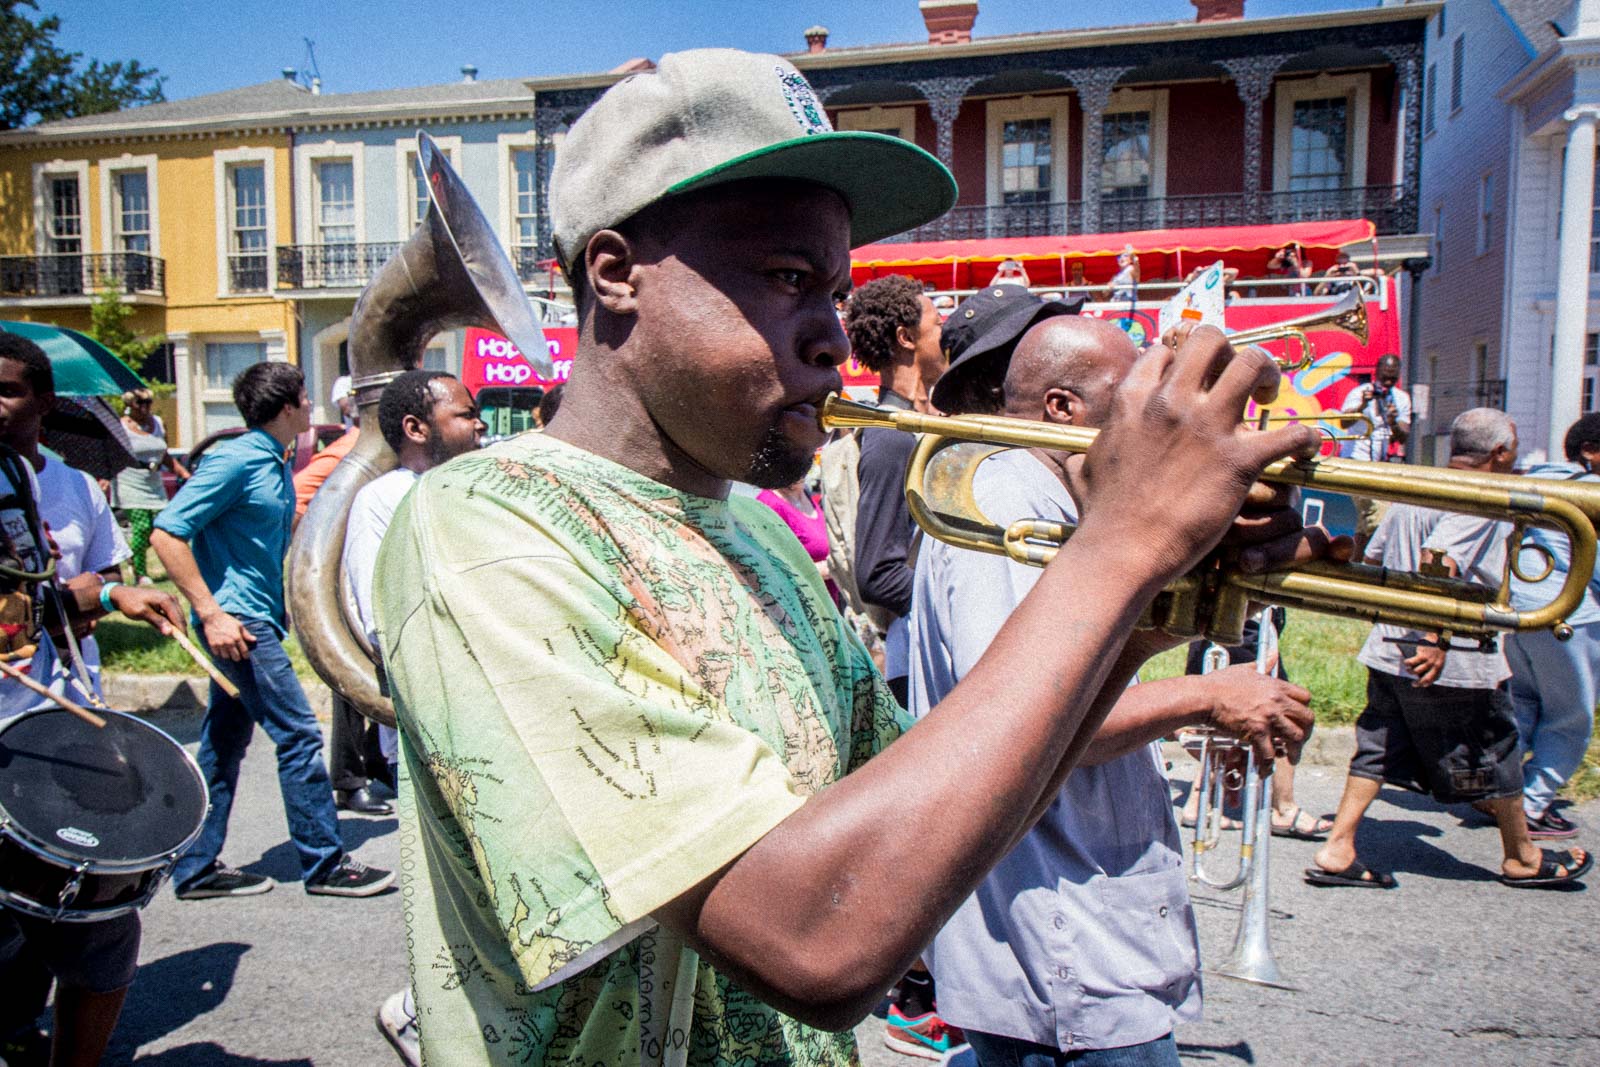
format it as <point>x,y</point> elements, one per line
<point>44,850</point>
<point>29,906</point>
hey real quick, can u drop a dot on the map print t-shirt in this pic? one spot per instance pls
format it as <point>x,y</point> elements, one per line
<point>607,690</point>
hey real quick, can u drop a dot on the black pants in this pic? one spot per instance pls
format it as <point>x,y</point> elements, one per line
<point>354,757</point>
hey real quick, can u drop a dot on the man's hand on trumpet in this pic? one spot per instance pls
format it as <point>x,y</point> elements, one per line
<point>1274,716</point>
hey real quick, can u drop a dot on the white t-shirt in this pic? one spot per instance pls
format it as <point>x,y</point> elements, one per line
<point>370,514</point>
<point>1376,445</point>
<point>79,520</point>
<point>1477,546</point>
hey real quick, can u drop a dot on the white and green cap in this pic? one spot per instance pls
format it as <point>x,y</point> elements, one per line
<point>716,115</point>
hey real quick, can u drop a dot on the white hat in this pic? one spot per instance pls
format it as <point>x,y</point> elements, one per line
<point>716,115</point>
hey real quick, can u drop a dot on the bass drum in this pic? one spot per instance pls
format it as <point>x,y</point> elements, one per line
<point>91,820</point>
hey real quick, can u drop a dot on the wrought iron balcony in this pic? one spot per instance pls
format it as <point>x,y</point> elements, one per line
<point>531,261</point>
<point>247,273</point>
<point>80,274</point>
<point>332,266</point>
<point>1392,209</point>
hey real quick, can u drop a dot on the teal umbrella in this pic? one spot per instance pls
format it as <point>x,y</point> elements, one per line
<point>82,365</point>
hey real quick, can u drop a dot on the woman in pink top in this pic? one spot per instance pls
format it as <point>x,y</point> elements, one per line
<point>803,513</point>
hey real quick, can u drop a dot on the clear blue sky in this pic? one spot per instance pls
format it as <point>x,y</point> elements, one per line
<point>207,47</point>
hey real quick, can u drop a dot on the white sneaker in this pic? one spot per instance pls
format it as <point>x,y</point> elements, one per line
<point>400,1027</point>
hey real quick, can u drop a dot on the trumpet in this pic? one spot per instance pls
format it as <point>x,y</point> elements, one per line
<point>1355,427</point>
<point>1213,600</point>
<point>1348,314</point>
<point>1251,959</point>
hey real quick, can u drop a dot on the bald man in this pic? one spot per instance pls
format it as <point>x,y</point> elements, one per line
<point>1083,937</point>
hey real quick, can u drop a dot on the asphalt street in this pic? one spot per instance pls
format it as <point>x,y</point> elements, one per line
<point>1450,968</point>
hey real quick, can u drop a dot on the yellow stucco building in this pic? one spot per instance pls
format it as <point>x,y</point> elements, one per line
<point>179,211</point>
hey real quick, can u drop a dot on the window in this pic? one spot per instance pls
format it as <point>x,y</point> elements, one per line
<point>898,122</point>
<point>1027,153</point>
<point>130,214</point>
<point>1320,144</point>
<point>1594,219</point>
<point>1438,28</point>
<point>1025,161</point>
<point>65,216</point>
<point>525,198</point>
<point>1438,238</point>
<point>1591,370</point>
<point>1125,155</point>
<point>1458,52</point>
<point>336,202</point>
<point>1486,213</point>
<point>247,227</point>
<point>1430,93</point>
<point>416,194</point>
<point>226,359</point>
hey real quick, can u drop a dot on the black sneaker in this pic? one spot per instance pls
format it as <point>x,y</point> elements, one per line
<point>1551,825</point>
<point>223,881</point>
<point>352,878</point>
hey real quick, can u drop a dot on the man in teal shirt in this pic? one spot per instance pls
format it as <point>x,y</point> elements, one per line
<point>223,541</point>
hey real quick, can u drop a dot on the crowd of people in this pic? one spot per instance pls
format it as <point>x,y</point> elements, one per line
<point>637,706</point>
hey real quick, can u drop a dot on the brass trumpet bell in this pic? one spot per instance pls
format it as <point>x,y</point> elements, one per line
<point>1348,313</point>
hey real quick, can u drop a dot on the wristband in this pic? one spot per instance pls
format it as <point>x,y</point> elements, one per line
<point>105,596</point>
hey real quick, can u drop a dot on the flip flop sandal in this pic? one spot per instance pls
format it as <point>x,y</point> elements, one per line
<point>1549,876</point>
<point>1228,823</point>
<point>1354,876</point>
<point>1295,829</point>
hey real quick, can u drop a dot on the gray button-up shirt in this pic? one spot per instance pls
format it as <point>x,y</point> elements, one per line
<point>1082,937</point>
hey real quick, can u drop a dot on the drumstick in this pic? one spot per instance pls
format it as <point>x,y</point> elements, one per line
<point>205,663</point>
<point>28,683</point>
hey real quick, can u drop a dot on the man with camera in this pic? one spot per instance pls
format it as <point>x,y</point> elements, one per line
<point>1388,407</point>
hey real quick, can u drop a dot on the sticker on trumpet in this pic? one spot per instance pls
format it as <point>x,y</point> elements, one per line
<point>1200,301</point>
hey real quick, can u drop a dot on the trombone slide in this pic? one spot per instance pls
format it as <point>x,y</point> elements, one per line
<point>1213,600</point>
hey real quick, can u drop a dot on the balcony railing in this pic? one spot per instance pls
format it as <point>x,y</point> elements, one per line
<point>1391,208</point>
<point>79,274</point>
<point>332,266</point>
<point>247,272</point>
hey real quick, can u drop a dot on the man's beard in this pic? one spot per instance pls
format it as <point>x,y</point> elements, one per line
<point>777,463</point>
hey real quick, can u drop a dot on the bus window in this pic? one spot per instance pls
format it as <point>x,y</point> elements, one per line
<point>508,410</point>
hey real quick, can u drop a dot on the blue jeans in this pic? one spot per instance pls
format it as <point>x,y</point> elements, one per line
<point>269,694</point>
<point>1553,689</point>
<point>997,1050</point>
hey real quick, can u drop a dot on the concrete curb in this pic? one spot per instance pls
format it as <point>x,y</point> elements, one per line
<point>179,695</point>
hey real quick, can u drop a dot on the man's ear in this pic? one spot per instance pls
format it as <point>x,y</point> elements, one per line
<point>1061,406</point>
<point>611,260</point>
<point>905,337</point>
<point>415,430</point>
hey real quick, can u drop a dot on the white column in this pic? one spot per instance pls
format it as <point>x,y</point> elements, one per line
<point>183,371</point>
<point>1572,292</point>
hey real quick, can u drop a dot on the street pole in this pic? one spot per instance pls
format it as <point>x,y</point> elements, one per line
<point>1415,267</point>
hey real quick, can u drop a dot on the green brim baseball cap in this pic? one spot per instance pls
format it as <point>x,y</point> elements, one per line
<point>717,115</point>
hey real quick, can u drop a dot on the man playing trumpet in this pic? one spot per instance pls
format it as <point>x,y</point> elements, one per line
<point>662,804</point>
<point>1082,938</point>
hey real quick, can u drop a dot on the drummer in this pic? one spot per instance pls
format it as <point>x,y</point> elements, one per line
<point>91,963</point>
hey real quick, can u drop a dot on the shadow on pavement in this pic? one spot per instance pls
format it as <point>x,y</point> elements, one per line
<point>171,992</point>
<point>1398,845</point>
<point>1239,1050</point>
<point>282,864</point>
<point>211,1054</point>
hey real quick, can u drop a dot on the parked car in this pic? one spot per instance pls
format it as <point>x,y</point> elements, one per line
<point>314,440</point>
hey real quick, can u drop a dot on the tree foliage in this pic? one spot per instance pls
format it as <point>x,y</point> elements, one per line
<point>108,324</point>
<point>39,81</point>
